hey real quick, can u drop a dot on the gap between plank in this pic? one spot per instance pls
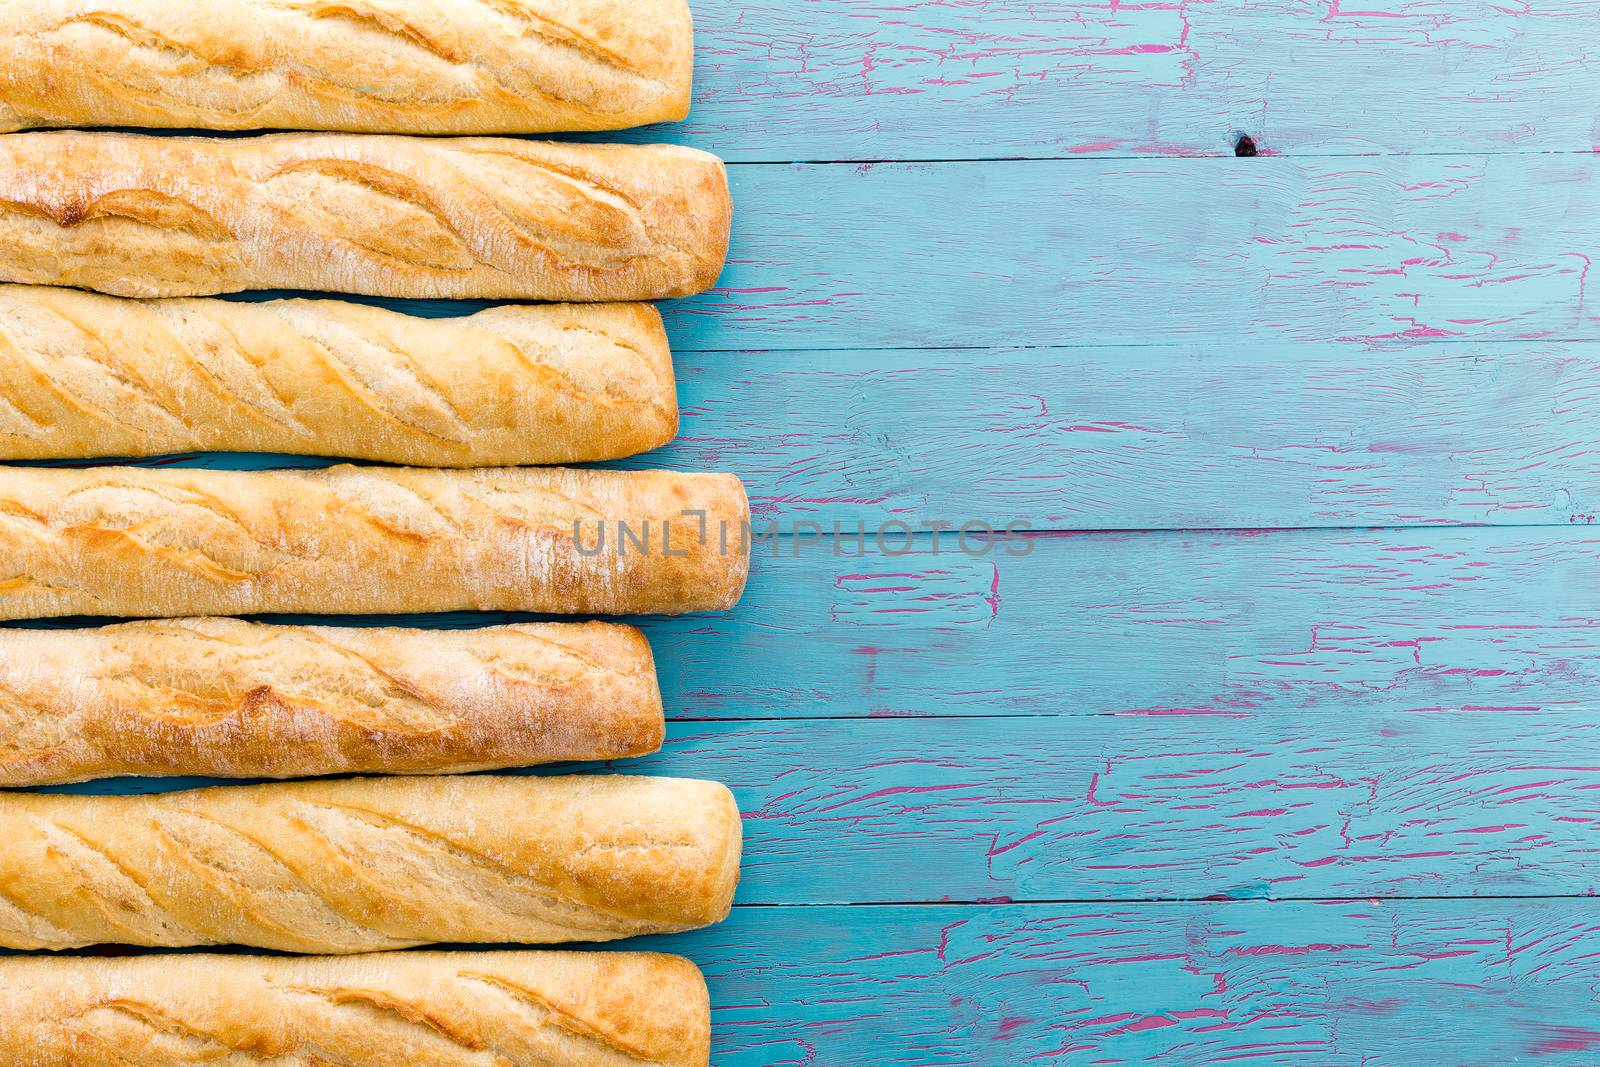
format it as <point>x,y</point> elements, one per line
<point>1121,902</point>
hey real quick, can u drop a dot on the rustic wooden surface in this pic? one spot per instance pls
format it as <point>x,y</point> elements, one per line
<point>780,80</point>
<point>1329,983</point>
<point>1275,741</point>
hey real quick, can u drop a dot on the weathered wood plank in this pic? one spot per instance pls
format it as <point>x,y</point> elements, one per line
<point>1270,622</point>
<point>841,79</point>
<point>1141,807</point>
<point>1147,438</point>
<point>1305,805</point>
<point>1139,252</point>
<point>1153,437</point>
<point>1345,984</point>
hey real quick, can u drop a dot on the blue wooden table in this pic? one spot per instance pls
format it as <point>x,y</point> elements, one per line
<point>1273,739</point>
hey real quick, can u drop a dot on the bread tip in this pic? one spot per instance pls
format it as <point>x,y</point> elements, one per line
<point>733,855</point>
<point>739,550</point>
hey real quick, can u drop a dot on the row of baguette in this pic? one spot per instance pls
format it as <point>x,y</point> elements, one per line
<point>350,868</point>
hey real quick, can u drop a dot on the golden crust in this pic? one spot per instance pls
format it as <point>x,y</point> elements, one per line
<point>84,376</point>
<point>395,1009</point>
<point>466,217</point>
<point>124,541</point>
<point>227,698</point>
<point>365,864</point>
<point>371,66</point>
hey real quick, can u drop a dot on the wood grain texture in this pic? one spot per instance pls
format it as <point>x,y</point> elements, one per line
<point>84,375</point>
<point>1312,804</point>
<point>782,80</point>
<point>394,66</point>
<point>1335,984</point>
<point>1153,437</point>
<point>1343,622</point>
<point>1109,252</point>
<point>494,217</point>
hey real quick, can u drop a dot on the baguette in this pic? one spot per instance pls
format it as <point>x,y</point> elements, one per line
<point>147,216</point>
<point>124,541</point>
<point>395,1009</point>
<point>363,864</point>
<point>383,66</point>
<point>233,699</point>
<point>85,376</point>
